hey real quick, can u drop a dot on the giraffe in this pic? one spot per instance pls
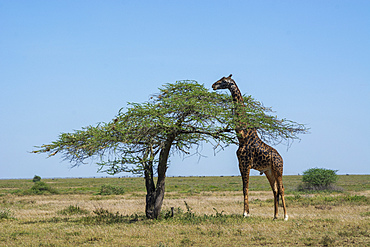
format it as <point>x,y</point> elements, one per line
<point>253,153</point>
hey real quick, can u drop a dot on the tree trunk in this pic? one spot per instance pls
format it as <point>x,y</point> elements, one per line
<point>150,191</point>
<point>155,194</point>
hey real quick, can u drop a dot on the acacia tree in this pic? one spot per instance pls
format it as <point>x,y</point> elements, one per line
<point>141,138</point>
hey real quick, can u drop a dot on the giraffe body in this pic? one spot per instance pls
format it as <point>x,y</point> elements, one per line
<point>253,153</point>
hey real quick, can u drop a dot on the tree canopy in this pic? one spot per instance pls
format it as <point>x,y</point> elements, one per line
<point>185,109</point>
<point>177,119</point>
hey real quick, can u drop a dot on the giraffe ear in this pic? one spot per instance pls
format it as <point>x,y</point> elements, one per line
<point>230,75</point>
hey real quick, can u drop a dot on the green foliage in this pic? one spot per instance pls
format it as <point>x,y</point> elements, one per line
<point>318,179</point>
<point>184,113</point>
<point>36,178</point>
<point>319,176</point>
<point>107,189</point>
<point>40,188</point>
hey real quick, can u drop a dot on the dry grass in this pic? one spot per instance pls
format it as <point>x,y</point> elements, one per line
<point>37,222</point>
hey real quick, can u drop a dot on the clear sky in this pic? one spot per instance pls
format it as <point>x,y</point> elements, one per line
<point>69,64</point>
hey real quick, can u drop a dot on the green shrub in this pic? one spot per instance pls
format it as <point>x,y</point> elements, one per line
<point>36,179</point>
<point>319,179</point>
<point>111,190</point>
<point>40,188</point>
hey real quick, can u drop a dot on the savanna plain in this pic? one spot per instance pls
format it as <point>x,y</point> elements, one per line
<point>206,211</point>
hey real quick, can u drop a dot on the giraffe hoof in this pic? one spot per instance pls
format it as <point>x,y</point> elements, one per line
<point>246,215</point>
<point>286,218</point>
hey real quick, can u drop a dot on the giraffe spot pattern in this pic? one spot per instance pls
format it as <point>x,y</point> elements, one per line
<point>253,153</point>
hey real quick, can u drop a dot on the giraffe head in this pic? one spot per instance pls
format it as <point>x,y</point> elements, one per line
<point>223,83</point>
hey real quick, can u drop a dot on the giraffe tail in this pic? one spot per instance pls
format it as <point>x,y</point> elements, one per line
<point>278,195</point>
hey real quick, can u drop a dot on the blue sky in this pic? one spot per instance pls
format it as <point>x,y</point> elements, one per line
<point>69,64</point>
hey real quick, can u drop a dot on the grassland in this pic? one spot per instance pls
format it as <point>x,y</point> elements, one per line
<point>77,214</point>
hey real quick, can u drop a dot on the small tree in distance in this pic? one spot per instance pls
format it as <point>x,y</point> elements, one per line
<point>140,139</point>
<point>318,179</point>
<point>36,178</point>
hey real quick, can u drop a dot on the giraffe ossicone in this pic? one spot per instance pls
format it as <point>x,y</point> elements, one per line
<point>253,153</point>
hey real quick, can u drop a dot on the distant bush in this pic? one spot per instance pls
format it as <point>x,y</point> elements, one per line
<point>319,179</point>
<point>36,179</point>
<point>40,188</point>
<point>111,190</point>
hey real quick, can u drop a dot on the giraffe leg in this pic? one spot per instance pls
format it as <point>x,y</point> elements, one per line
<point>272,180</point>
<point>245,177</point>
<point>281,192</point>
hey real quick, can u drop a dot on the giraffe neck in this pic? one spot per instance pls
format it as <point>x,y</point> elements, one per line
<point>235,93</point>
<point>242,131</point>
